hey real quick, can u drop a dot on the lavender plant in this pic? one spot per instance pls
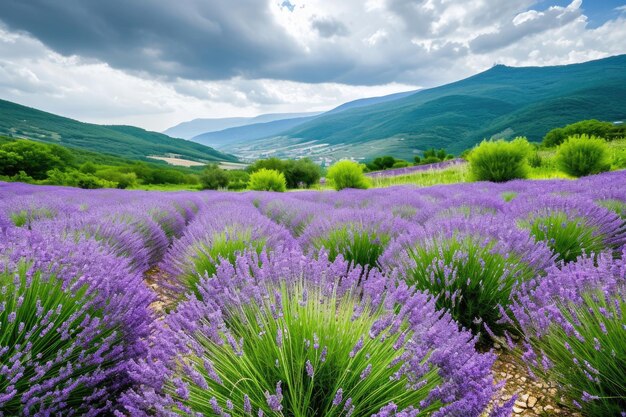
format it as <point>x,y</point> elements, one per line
<point>71,319</point>
<point>571,226</point>
<point>220,232</point>
<point>300,336</point>
<point>359,236</point>
<point>472,265</point>
<point>575,325</point>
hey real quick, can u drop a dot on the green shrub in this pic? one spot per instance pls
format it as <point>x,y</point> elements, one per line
<point>382,163</point>
<point>237,179</point>
<point>75,178</point>
<point>122,179</point>
<point>534,160</point>
<point>301,173</point>
<point>400,164</point>
<point>22,177</point>
<point>606,130</point>
<point>583,155</point>
<point>417,159</point>
<point>213,178</point>
<point>267,180</point>
<point>34,158</point>
<point>271,163</point>
<point>88,168</point>
<point>298,173</point>
<point>500,161</point>
<point>430,160</point>
<point>347,174</point>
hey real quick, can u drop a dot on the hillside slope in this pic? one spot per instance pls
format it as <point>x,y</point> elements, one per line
<point>234,137</point>
<point>195,127</point>
<point>500,102</point>
<point>124,141</point>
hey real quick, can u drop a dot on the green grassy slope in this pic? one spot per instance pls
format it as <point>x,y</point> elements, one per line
<point>124,141</point>
<point>502,101</point>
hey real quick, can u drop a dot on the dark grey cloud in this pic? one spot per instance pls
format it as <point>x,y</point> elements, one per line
<point>407,41</point>
<point>195,39</point>
<point>327,27</point>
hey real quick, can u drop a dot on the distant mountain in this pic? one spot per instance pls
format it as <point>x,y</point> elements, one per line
<point>362,102</point>
<point>500,102</point>
<point>123,141</point>
<point>188,130</point>
<point>229,138</point>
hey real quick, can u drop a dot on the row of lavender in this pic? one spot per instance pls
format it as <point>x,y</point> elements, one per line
<point>343,303</point>
<point>416,168</point>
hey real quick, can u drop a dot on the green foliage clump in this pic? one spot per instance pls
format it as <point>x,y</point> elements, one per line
<point>237,179</point>
<point>534,160</point>
<point>606,130</point>
<point>213,178</point>
<point>75,178</point>
<point>400,164</point>
<point>381,163</point>
<point>88,168</point>
<point>267,180</point>
<point>33,158</point>
<point>500,161</point>
<point>432,156</point>
<point>430,160</point>
<point>583,155</point>
<point>347,174</point>
<point>567,238</point>
<point>300,173</point>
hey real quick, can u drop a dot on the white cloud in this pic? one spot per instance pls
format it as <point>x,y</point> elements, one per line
<point>362,49</point>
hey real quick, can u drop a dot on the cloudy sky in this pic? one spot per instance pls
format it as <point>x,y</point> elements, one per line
<point>155,63</point>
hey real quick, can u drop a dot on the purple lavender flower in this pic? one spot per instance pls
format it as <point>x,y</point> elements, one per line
<point>571,319</point>
<point>236,302</point>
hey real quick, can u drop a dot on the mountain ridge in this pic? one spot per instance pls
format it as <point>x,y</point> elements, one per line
<point>131,142</point>
<point>526,101</point>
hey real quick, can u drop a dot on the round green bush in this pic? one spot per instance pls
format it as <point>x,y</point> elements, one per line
<point>347,174</point>
<point>267,180</point>
<point>500,161</point>
<point>583,155</point>
<point>213,178</point>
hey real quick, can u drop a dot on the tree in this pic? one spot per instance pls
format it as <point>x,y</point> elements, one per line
<point>271,163</point>
<point>35,159</point>
<point>301,173</point>
<point>213,178</point>
<point>593,127</point>
<point>383,162</point>
<point>88,168</point>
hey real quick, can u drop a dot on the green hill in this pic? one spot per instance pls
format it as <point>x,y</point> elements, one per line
<point>123,141</point>
<point>501,102</point>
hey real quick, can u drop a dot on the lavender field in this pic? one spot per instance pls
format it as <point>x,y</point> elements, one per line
<point>380,302</point>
